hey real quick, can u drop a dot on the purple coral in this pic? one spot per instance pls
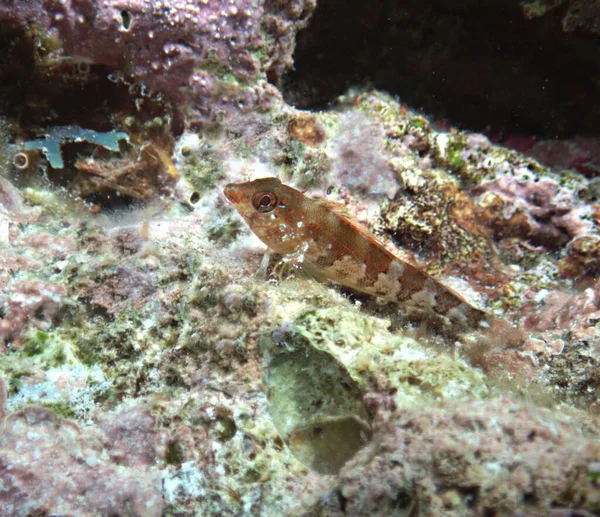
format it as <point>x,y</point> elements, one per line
<point>564,314</point>
<point>10,198</point>
<point>565,311</point>
<point>360,165</point>
<point>175,47</point>
<point>580,153</point>
<point>50,467</point>
<point>136,439</point>
<point>474,458</point>
<point>540,211</point>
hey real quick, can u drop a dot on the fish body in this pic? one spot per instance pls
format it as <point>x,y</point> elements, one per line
<point>316,234</point>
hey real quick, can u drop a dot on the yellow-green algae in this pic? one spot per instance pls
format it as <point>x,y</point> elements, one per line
<point>320,361</point>
<point>364,345</point>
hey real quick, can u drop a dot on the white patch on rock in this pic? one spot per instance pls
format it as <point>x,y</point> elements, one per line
<point>4,229</point>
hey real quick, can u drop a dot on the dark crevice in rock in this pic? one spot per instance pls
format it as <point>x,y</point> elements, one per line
<point>480,65</point>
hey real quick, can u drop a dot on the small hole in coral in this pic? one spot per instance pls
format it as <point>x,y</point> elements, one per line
<point>126,20</point>
<point>470,495</point>
<point>346,386</point>
<point>278,443</point>
<point>83,68</point>
<point>342,500</point>
<point>194,197</point>
<point>403,500</point>
<point>21,161</point>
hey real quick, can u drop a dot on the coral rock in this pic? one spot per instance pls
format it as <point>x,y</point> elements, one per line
<point>29,302</point>
<point>52,467</point>
<point>539,211</point>
<point>175,47</point>
<point>474,458</point>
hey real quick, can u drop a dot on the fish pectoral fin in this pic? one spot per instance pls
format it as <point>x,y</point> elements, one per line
<point>313,272</point>
<point>263,269</point>
<point>284,266</point>
<point>270,266</point>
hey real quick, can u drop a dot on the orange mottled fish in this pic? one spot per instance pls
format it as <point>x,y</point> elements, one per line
<point>315,234</point>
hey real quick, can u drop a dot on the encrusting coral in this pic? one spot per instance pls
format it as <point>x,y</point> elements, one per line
<point>450,462</point>
<point>204,55</point>
<point>56,465</point>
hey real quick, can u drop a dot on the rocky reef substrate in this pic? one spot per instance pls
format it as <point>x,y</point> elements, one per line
<point>151,364</point>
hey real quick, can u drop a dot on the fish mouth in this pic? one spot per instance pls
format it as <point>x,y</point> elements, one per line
<point>232,192</point>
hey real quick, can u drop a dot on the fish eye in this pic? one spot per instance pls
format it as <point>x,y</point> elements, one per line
<point>264,201</point>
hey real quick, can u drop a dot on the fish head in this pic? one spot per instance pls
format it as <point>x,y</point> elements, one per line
<point>272,210</point>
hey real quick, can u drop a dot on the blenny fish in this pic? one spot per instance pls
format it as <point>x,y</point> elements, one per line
<point>318,235</point>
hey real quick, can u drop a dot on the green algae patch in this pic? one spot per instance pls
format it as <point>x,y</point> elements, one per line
<point>36,344</point>
<point>61,410</point>
<point>174,454</point>
<point>49,349</point>
<point>327,444</point>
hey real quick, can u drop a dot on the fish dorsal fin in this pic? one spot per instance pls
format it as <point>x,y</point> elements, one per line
<point>341,211</point>
<point>335,206</point>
